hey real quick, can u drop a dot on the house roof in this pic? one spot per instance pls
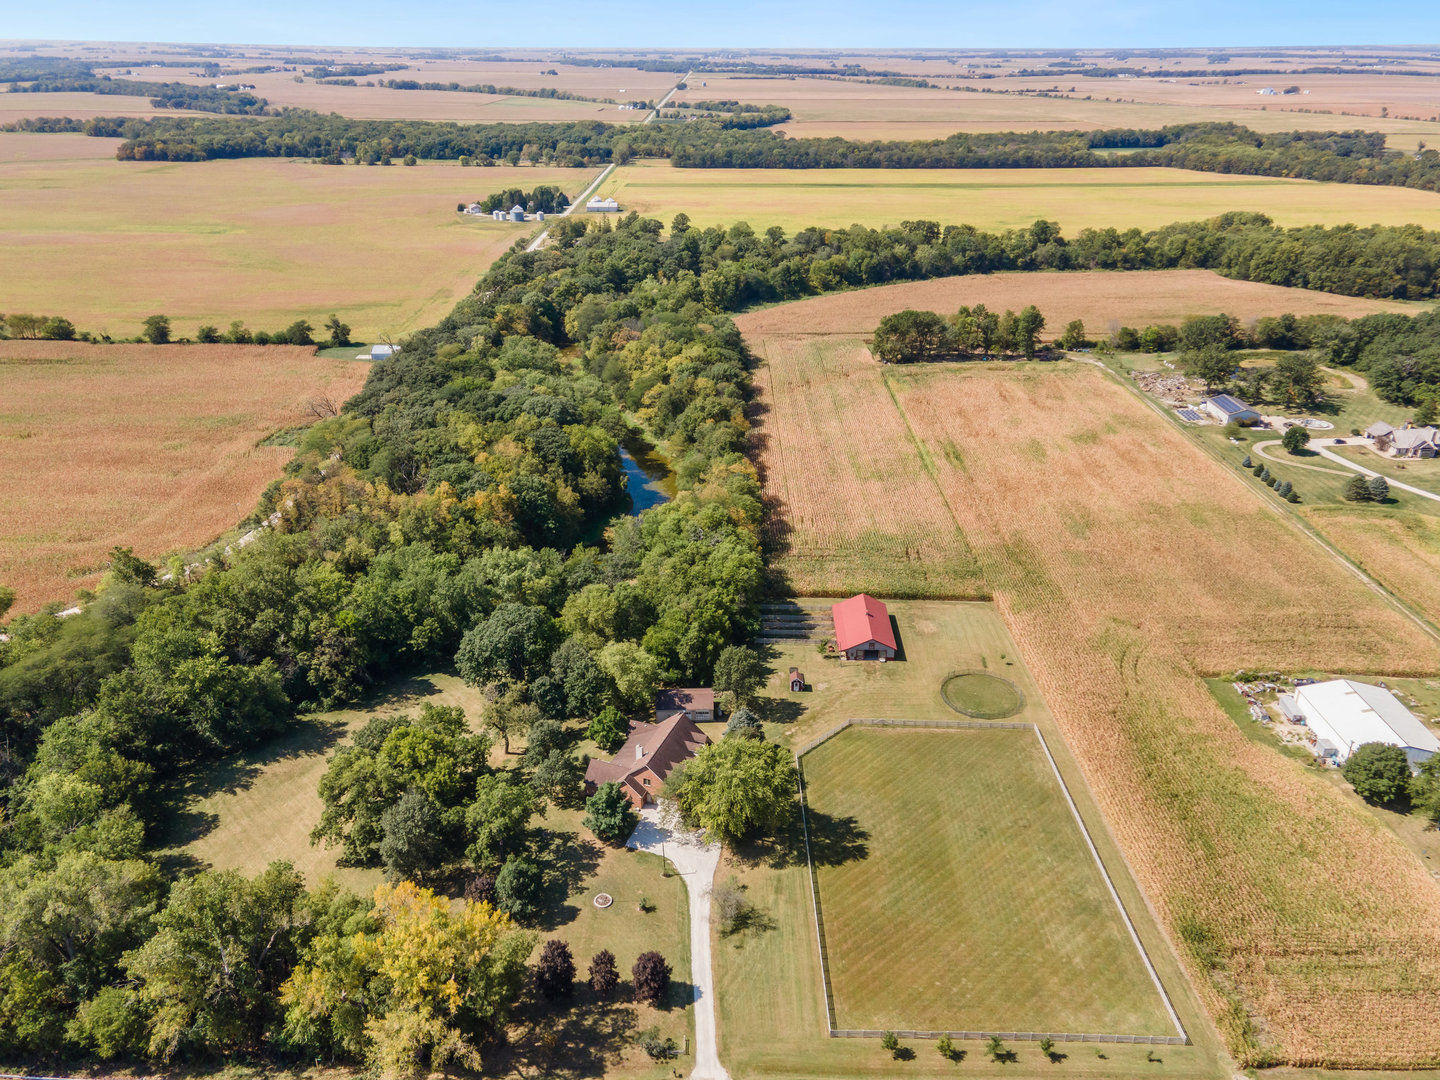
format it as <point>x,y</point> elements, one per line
<point>657,747</point>
<point>1230,406</point>
<point>860,619</point>
<point>1360,713</point>
<point>691,699</point>
<point>1409,438</point>
<point>1379,428</point>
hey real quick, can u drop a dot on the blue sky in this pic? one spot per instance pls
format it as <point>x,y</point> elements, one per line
<point>757,23</point>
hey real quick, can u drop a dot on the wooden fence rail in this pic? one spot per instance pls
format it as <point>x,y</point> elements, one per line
<point>1182,1039</point>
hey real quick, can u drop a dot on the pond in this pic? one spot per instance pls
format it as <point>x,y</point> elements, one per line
<point>647,476</point>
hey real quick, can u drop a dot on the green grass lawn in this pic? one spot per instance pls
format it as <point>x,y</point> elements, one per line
<point>260,806</point>
<point>769,1002</point>
<point>958,892</point>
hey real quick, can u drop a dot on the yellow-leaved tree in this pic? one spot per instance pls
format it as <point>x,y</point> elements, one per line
<point>407,990</point>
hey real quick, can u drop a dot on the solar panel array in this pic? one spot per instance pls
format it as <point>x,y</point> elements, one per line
<point>1189,414</point>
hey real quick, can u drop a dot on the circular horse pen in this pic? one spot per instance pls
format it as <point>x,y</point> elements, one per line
<point>981,695</point>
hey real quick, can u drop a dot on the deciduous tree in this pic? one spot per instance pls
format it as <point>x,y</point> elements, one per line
<point>555,972</point>
<point>651,977</point>
<point>609,814</point>
<point>735,787</point>
<point>1379,772</point>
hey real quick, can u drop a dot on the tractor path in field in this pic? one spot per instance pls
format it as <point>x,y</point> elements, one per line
<point>695,861</point>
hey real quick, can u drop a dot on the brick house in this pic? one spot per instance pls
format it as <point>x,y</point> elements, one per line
<point>652,751</point>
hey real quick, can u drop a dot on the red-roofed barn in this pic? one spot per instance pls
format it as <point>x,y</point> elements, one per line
<point>862,629</point>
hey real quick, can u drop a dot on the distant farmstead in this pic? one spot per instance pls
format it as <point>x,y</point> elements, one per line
<point>862,629</point>
<point>1345,715</point>
<point>1229,409</point>
<point>378,352</point>
<point>598,205</point>
<point>1412,442</point>
<point>652,751</point>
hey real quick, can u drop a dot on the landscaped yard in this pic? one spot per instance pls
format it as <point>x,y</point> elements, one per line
<point>261,806</point>
<point>958,893</point>
<point>768,989</point>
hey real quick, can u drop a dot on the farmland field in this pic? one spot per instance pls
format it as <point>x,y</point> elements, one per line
<point>266,240</point>
<point>1101,298</point>
<point>1126,564</point>
<point>878,524</point>
<point>1144,198</point>
<point>155,447</point>
<point>831,107</point>
<point>772,1018</point>
<point>972,850</point>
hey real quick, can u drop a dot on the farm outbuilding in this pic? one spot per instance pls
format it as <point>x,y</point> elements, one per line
<point>862,629</point>
<point>696,702</point>
<point>598,205</point>
<point>517,213</point>
<point>378,352</point>
<point>1227,409</point>
<point>1345,714</point>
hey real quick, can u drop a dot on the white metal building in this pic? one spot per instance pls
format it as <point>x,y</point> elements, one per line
<point>1345,714</point>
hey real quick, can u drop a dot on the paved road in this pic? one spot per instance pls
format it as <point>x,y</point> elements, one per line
<point>695,861</point>
<point>1319,445</point>
<point>535,244</point>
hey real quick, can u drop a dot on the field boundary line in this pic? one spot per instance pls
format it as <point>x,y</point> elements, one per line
<point>1182,1039</point>
<point>1283,513</point>
<point>1110,885</point>
<point>815,895</point>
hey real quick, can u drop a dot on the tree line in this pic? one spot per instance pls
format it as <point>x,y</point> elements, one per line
<point>912,336</point>
<point>158,330</point>
<point>738,139</point>
<point>162,95</point>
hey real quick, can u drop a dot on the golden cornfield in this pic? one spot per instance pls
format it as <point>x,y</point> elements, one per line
<point>1127,564</point>
<point>150,446</point>
<point>851,505</point>
<point>1399,549</point>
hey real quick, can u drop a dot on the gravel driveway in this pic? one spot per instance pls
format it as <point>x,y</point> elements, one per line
<point>695,861</point>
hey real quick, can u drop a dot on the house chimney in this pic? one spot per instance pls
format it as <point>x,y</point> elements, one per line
<point>639,751</point>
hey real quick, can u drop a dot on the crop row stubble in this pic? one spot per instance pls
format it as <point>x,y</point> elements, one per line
<point>1125,563</point>
<point>852,505</point>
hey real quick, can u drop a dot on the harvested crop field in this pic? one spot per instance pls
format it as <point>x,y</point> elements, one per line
<point>1126,564</point>
<point>1120,198</point>
<point>1102,298</point>
<point>851,508</point>
<point>144,446</point>
<point>266,240</point>
<point>1399,548</point>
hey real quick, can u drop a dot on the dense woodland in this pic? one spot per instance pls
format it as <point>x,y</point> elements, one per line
<point>738,139</point>
<point>450,515</point>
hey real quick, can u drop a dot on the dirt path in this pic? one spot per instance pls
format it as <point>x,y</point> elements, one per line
<point>1356,382</point>
<point>695,861</point>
